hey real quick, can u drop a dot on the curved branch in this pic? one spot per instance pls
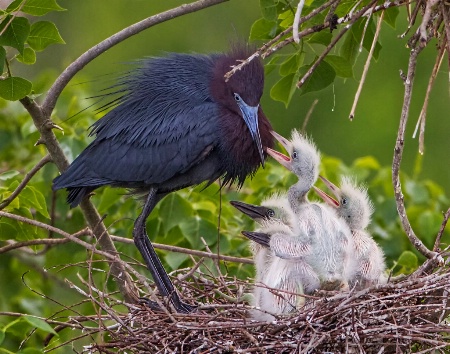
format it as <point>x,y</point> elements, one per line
<point>398,152</point>
<point>47,158</point>
<point>61,82</point>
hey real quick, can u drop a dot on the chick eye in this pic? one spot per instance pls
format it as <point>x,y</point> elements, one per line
<point>237,97</point>
<point>270,213</point>
<point>294,155</point>
<point>344,201</point>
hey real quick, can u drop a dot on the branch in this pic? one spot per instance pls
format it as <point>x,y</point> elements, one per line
<point>437,242</point>
<point>61,82</point>
<point>398,152</point>
<point>43,241</point>
<point>87,231</point>
<point>366,65</point>
<point>23,184</point>
<point>45,127</point>
<point>353,19</point>
<point>423,112</point>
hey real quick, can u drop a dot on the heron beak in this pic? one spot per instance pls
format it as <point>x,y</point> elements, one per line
<point>333,188</point>
<point>258,237</point>
<point>256,212</point>
<point>281,158</point>
<point>283,141</point>
<point>250,115</point>
<point>326,198</point>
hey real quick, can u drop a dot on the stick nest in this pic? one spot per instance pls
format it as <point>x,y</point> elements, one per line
<point>402,316</point>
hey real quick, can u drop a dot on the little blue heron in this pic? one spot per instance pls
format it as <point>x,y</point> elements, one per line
<point>328,235</point>
<point>177,123</point>
<point>353,205</point>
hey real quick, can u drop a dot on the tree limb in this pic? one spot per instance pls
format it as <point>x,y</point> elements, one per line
<point>398,152</point>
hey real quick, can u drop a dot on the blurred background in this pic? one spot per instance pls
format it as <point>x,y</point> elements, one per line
<point>372,132</point>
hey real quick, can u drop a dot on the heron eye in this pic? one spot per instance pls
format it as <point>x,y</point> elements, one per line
<point>270,213</point>
<point>294,155</point>
<point>344,201</point>
<point>237,97</point>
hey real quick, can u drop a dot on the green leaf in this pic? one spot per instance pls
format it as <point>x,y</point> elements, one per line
<point>284,89</point>
<point>322,37</point>
<point>269,9</point>
<point>341,66</point>
<point>14,88</point>
<point>263,29</point>
<point>43,34</point>
<point>2,59</point>
<point>174,259</point>
<point>429,224</point>
<point>28,57</point>
<point>32,197</point>
<point>173,209</point>
<point>16,33</point>
<point>2,336</point>
<point>291,64</point>
<point>322,77</point>
<point>35,7</point>
<point>390,15</point>
<point>350,47</point>
<point>40,324</point>
<point>109,197</point>
<point>4,176</point>
<point>368,162</point>
<point>417,192</point>
<point>408,261</point>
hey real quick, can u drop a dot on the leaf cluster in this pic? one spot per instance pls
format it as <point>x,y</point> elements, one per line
<point>293,62</point>
<point>20,39</point>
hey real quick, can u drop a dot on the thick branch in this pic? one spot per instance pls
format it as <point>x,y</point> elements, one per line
<point>44,125</point>
<point>61,82</point>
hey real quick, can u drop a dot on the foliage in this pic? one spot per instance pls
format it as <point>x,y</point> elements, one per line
<point>38,277</point>
<point>182,219</point>
<point>20,40</point>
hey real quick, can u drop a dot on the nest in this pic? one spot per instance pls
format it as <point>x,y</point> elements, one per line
<point>407,315</point>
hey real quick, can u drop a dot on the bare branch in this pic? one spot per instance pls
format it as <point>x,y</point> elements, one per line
<point>61,82</point>
<point>437,242</point>
<point>297,16</point>
<point>366,66</point>
<point>43,241</point>
<point>398,152</point>
<point>308,115</point>
<point>423,112</point>
<point>23,184</point>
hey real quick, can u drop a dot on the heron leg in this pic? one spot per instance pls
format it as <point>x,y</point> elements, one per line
<point>152,260</point>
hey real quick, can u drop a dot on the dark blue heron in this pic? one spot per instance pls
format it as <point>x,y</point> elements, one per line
<point>177,123</point>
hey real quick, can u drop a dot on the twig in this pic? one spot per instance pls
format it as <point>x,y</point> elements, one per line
<point>266,49</point>
<point>43,241</point>
<point>47,158</point>
<point>353,19</point>
<point>61,82</point>
<point>296,23</point>
<point>398,152</point>
<point>437,242</point>
<point>426,18</point>
<point>366,66</point>
<point>12,18</point>
<point>423,112</point>
<point>308,115</point>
